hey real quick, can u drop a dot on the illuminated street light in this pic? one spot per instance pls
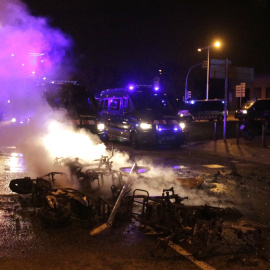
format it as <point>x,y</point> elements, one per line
<point>217,44</point>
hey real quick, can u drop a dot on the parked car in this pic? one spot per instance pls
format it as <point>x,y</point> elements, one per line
<point>256,110</point>
<point>255,117</point>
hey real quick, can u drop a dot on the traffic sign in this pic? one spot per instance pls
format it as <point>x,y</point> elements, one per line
<point>240,90</point>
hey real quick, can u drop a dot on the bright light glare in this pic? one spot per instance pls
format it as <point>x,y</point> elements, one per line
<point>182,125</point>
<point>16,163</point>
<point>145,126</point>
<point>217,44</point>
<point>62,141</point>
<point>131,87</point>
<point>100,126</point>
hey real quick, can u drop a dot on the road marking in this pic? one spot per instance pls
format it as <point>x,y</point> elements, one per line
<point>213,166</point>
<point>189,256</point>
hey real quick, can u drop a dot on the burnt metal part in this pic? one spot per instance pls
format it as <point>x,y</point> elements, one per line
<point>60,206</point>
<point>21,185</point>
<point>204,230</point>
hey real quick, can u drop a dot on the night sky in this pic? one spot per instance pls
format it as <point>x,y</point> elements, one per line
<point>118,40</point>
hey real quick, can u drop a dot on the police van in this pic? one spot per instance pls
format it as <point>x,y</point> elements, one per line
<point>140,115</point>
<point>203,110</point>
<point>79,103</point>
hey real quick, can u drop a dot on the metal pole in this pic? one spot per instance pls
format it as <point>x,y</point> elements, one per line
<point>186,83</point>
<point>237,133</point>
<point>263,135</point>
<point>215,131</point>
<point>225,98</point>
<point>207,81</point>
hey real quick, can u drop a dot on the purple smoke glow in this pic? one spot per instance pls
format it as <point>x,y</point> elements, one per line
<point>30,51</point>
<point>28,45</point>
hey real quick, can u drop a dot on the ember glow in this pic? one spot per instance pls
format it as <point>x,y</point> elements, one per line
<point>63,141</point>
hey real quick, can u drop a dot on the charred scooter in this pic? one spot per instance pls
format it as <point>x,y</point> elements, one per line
<point>58,206</point>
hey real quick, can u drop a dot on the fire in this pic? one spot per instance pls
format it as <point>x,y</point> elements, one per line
<point>63,141</point>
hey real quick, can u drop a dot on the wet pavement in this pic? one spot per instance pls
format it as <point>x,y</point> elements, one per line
<point>256,150</point>
<point>233,175</point>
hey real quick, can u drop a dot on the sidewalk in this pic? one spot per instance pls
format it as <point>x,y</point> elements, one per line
<point>251,151</point>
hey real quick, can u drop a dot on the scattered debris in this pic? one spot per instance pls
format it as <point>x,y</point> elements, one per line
<point>204,230</point>
<point>189,182</point>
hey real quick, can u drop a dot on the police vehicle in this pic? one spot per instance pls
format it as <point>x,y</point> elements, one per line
<point>141,115</point>
<point>203,110</point>
<point>79,103</point>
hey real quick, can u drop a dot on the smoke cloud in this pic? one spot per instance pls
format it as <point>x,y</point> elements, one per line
<point>28,45</point>
<point>31,52</point>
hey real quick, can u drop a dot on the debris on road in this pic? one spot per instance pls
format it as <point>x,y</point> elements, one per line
<point>203,229</point>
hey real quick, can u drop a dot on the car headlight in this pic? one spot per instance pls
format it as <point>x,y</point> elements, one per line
<point>182,125</point>
<point>145,126</point>
<point>181,114</point>
<point>244,111</point>
<point>100,126</point>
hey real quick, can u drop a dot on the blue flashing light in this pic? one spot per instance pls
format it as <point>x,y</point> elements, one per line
<point>223,101</point>
<point>131,87</point>
<point>156,88</point>
<point>192,102</point>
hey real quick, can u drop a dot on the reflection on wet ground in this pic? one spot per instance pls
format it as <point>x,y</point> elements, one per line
<point>16,226</point>
<point>11,167</point>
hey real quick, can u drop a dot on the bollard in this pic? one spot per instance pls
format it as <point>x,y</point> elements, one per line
<point>237,133</point>
<point>215,130</point>
<point>263,135</point>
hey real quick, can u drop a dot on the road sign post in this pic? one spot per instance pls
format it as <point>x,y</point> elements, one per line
<point>227,63</point>
<point>240,91</point>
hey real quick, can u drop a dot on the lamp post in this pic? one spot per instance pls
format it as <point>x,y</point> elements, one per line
<point>186,83</point>
<point>217,44</point>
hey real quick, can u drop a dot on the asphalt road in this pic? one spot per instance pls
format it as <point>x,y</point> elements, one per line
<point>27,244</point>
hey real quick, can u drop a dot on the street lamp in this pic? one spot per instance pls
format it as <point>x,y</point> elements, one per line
<point>217,44</point>
<point>186,83</point>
